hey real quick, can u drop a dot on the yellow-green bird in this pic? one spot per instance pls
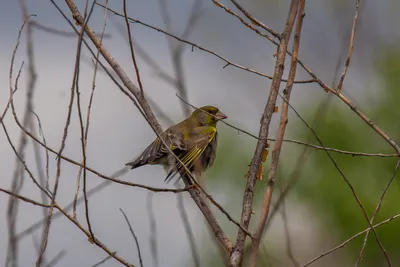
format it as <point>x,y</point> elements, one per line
<point>193,141</point>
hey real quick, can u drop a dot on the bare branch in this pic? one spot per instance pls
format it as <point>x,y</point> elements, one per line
<point>378,206</point>
<point>351,45</point>
<point>134,237</point>
<point>245,23</point>
<point>350,239</point>
<point>132,50</point>
<point>15,195</point>
<point>85,136</point>
<point>254,20</point>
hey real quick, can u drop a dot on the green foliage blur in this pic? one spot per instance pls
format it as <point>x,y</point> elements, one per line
<point>320,186</point>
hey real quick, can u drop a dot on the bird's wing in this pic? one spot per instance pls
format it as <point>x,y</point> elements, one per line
<point>199,139</point>
<point>156,151</point>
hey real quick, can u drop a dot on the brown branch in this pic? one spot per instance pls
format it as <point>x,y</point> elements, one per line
<point>299,9</point>
<point>245,23</point>
<point>351,45</point>
<point>236,256</point>
<point>28,200</point>
<point>255,21</point>
<point>128,28</point>
<point>95,240</point>
<point>81,124</point>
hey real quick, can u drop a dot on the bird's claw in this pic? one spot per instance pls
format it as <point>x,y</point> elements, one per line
<point>191,187</point>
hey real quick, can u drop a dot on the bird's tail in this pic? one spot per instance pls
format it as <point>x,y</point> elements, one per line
<point>136,163</point>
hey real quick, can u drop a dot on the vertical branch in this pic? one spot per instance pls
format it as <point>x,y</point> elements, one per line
<point>89,108</point>
<point>236,256</point>
<point>134,237</point>
<point>82,127</point>
<point>128,28</point>
<point>42,180</point>
<point>351,45</point>
<point>279,140</point>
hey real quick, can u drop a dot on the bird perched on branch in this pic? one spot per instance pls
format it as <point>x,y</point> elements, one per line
<point>193,141</point>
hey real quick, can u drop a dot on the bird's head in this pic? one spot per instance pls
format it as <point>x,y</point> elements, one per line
<point>208,115</point>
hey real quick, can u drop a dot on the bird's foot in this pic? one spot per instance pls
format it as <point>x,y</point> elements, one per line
<point>191,187</point>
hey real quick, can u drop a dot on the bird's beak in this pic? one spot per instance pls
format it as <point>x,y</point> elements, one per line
<point>220,115</point>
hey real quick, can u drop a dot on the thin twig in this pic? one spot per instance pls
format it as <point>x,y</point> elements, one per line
<point>41,132</point>
<point>102,261</point>
<point>245,23</point>
<point>85,137</point>
<point>134,237</point>
<point>351,153</point>
<point>341,245</point>
<point>15,195</point>
<point>378,206</point>
<point>56,259</point>
<point>128,28</point>
<point>81,125</point>
<point>351,45</point>
<point>295,175</point>
<point>255,21</point>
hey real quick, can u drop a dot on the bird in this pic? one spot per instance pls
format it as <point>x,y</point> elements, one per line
<point>193,141</point>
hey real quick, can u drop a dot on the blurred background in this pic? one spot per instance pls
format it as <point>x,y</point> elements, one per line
<point>318,212</point>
